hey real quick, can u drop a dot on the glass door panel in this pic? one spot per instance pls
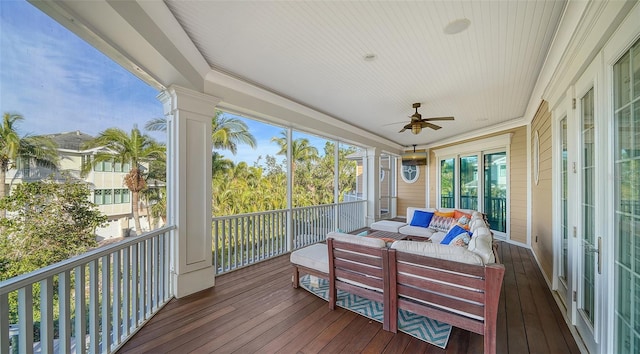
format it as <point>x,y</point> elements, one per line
<point>586,305</point>
<point>495,190</point>
<point>627,200</point>
<point>564,217</point>
<point>447,183</point>
<point>469,182</point>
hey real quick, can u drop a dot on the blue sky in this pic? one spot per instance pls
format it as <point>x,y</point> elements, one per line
<point>40,79</point>
<point>59,83</point>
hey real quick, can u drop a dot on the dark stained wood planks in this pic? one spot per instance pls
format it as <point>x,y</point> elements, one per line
<point>255,310</point>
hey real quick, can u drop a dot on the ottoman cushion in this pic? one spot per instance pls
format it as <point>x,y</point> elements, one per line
<point>315,257</point>
<point>387,225</point>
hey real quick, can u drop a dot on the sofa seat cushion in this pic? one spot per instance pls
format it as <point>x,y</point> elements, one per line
<point>436,250</point>
<point>314,257</point>
<point>387,225</point>
<point>416,231</point>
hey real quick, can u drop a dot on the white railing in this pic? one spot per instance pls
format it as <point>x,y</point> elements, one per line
<point>90,303</point>
<point>244,239</point>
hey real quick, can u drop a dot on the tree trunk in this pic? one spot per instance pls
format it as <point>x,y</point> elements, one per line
<point>136,212</point>
<point>3,177</point>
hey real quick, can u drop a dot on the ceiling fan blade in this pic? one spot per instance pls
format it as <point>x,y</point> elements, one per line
<point>394,123</point>
<point>408,126</point>
<point>438,118</point>
<point>430,125</point>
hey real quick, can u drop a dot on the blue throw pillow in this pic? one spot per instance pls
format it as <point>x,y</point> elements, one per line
<point>453,233</point>
<point>363,233</point>
<point>421,218</point>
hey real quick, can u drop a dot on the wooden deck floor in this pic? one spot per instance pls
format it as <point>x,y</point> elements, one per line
<point>255,310</point>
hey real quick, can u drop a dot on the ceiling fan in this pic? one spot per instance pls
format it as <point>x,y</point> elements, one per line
<point>417,122</point>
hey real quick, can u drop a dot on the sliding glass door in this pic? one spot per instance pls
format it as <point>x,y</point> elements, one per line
<point>627,200</point>
<point>477,181</point>
<point>495,190</point>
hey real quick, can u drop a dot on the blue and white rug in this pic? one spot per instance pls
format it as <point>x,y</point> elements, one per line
<point>423,328</point>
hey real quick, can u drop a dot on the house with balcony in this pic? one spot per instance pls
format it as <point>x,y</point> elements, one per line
<point>545,142</point>
<point>105,180</point>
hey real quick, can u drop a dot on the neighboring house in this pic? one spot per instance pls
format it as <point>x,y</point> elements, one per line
<point>105,182</point>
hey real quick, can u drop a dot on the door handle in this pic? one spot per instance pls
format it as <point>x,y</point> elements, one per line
<point>599,255</point>
<point>591,249</point>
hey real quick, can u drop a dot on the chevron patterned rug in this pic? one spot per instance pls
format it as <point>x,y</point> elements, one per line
<point>423,328</point>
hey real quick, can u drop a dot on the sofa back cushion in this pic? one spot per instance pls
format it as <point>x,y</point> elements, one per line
<point>358,240</point>
<point>481,244</point>
<point>436,250</point>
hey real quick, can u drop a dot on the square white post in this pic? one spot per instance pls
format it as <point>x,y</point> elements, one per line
<point>189,189</point>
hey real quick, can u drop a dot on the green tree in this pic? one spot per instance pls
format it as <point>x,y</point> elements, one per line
<point>50,222</point>
<point>134,149</point>
<point>301,152</point>
<point>42,150</point>
<point>226,132</point>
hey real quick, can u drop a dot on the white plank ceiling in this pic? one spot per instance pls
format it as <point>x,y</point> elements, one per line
<point>313,53</point>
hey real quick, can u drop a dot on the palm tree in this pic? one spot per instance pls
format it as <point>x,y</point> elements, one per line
<point>226,132</point>
<point>301,150</point>
<point>40,149</point>
<point>133,149</point>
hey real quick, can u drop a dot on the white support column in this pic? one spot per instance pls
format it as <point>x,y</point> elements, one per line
<point>189,149</point>
<point>373,185</point>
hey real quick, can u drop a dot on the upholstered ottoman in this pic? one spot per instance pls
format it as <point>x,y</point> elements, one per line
<point>387,225</point>
<point>313,260</point>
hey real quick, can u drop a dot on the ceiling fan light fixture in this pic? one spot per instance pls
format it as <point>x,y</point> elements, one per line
<point>416,127</point>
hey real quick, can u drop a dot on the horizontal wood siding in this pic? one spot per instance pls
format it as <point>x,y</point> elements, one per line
<point>518,185</point>
<point>411,194</point>
<point>541,196</point>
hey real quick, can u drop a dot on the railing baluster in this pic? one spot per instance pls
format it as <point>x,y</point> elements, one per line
<point>80,310</point>
<point>105,304</point>
<point>64,318</point>
<point>156,274</point>
<point>216,236</point>
<point>25,316</point>
<point>117,304</point>
<point>141,278</point>
<point>228,244</point>
<point>161,270</point>
<point>126,292</point>
<point>4,324</point>
<point>134,288</point>
<point>46,315</point>
<point>245,243</point>
<point>147,282</point>
<point>93,307</point>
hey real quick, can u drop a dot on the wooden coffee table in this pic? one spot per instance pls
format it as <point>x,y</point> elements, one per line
<point>387,235</point>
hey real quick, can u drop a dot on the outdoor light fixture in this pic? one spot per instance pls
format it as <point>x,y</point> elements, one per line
<point>416,127</point>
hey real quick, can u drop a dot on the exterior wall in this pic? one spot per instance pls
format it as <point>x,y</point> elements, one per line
<point>517,181</point>
<point>518,186</point>
<point>411,194</point>
<point>541,193</point>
